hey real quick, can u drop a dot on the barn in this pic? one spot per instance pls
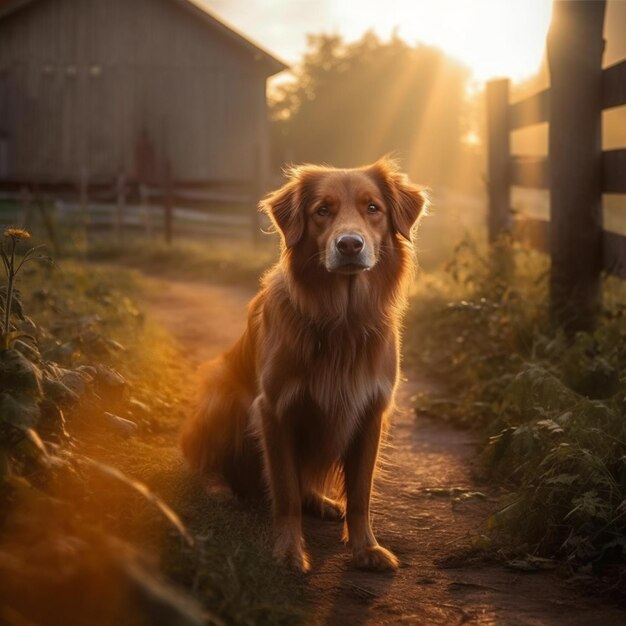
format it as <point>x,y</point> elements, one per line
<point>100,88</point>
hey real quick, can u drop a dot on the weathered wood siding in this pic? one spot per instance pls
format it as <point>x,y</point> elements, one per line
<point>81,79</point>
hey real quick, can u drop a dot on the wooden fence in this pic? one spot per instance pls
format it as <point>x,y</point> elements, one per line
<point>125,207</point>
<point>577,172</point>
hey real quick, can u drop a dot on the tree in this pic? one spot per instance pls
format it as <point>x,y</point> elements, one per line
<point>352,103</point>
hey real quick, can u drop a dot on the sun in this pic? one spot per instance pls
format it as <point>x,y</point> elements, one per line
<point>491,37</point>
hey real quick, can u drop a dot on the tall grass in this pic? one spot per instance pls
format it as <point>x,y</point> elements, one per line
<point>84,528</point>
<point>552,408</point>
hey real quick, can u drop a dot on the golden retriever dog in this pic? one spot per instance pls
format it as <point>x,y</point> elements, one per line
<point>299,404</point>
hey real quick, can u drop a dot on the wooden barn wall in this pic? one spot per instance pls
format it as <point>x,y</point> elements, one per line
<point>81,79</point>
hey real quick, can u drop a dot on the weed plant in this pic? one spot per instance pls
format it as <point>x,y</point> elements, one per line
<point>552,408</point>
<point>92,395</point>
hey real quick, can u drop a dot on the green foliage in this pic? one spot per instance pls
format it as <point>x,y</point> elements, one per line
<point>9,298</point>
<point>73,482</point>
<point>55,365</point>
<point>553,408</point>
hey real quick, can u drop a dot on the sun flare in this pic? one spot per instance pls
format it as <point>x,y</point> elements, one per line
<point>491,37</point>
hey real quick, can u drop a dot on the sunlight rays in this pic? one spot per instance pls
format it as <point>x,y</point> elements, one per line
<point>492,37</point>
<point>395,100</point>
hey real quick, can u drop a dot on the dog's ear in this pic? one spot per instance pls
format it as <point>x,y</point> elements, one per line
<point>283,208</point>
<point>406,200</point>
<point>411,203</point>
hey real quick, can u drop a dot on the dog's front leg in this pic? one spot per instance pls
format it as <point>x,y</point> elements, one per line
<point>284,482</point>
<point>359,465</point>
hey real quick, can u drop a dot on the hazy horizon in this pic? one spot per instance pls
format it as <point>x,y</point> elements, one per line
<point>492,38</point>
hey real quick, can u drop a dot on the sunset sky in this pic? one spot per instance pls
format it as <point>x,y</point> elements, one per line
<point>492,37</point>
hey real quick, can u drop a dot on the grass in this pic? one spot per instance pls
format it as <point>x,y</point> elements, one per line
<point>551,408</point>
<point>219,258</point>
<point>123,558</point>
<point>227,262</point>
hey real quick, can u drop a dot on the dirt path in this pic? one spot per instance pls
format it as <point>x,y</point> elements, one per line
<point>425,531</point>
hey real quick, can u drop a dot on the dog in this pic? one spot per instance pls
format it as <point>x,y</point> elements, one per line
<point>300,403</point>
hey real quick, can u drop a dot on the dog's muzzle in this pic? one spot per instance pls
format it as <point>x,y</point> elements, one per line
<point>349,254</point>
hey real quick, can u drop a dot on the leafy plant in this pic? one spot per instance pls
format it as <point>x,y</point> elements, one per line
<point>69,492</point>
<point>36,388</point>
<point>8,296</point>
<point>553,409</point>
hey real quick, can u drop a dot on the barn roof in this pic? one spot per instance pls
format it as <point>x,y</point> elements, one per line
<point>259,53</point>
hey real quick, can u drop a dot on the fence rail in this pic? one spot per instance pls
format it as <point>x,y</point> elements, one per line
<point>176,208</point>
<point>576,172</point>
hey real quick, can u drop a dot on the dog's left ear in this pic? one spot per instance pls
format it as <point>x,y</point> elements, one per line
<point>411,203</point>
<point>283,208</point>
<point>407,201</point>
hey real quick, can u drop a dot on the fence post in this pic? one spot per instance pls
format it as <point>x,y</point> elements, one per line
<point>83,204</point>
<point>49,223</point>
<point>575,47</point>
<point>168,202</point>
<point>26,200</point>
<point>144,201</point>
<point>498,148</point>
<point>120,207</point>
<point>83,195</point>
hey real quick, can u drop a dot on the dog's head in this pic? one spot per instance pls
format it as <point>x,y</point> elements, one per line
<point>345,216</point>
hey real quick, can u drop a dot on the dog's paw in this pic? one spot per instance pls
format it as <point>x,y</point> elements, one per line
<point>375,558</point>
<point>324,508</point>
<point>292,556</point>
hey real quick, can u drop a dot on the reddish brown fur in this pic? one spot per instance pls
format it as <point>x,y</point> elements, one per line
<point>302,398</point>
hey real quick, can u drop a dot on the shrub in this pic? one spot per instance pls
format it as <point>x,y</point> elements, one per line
<point>552,408</point>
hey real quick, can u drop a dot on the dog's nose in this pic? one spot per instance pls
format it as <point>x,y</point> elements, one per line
<point>350,245</point>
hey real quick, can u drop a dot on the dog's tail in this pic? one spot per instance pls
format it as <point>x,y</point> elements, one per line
<point>211,429</point>
<point>215,438</point>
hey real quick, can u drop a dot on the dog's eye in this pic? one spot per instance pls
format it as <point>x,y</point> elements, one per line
<point>323,211</point>
<point>372,208</point>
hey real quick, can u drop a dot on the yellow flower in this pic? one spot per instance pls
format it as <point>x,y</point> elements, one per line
<point>16,233</point>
